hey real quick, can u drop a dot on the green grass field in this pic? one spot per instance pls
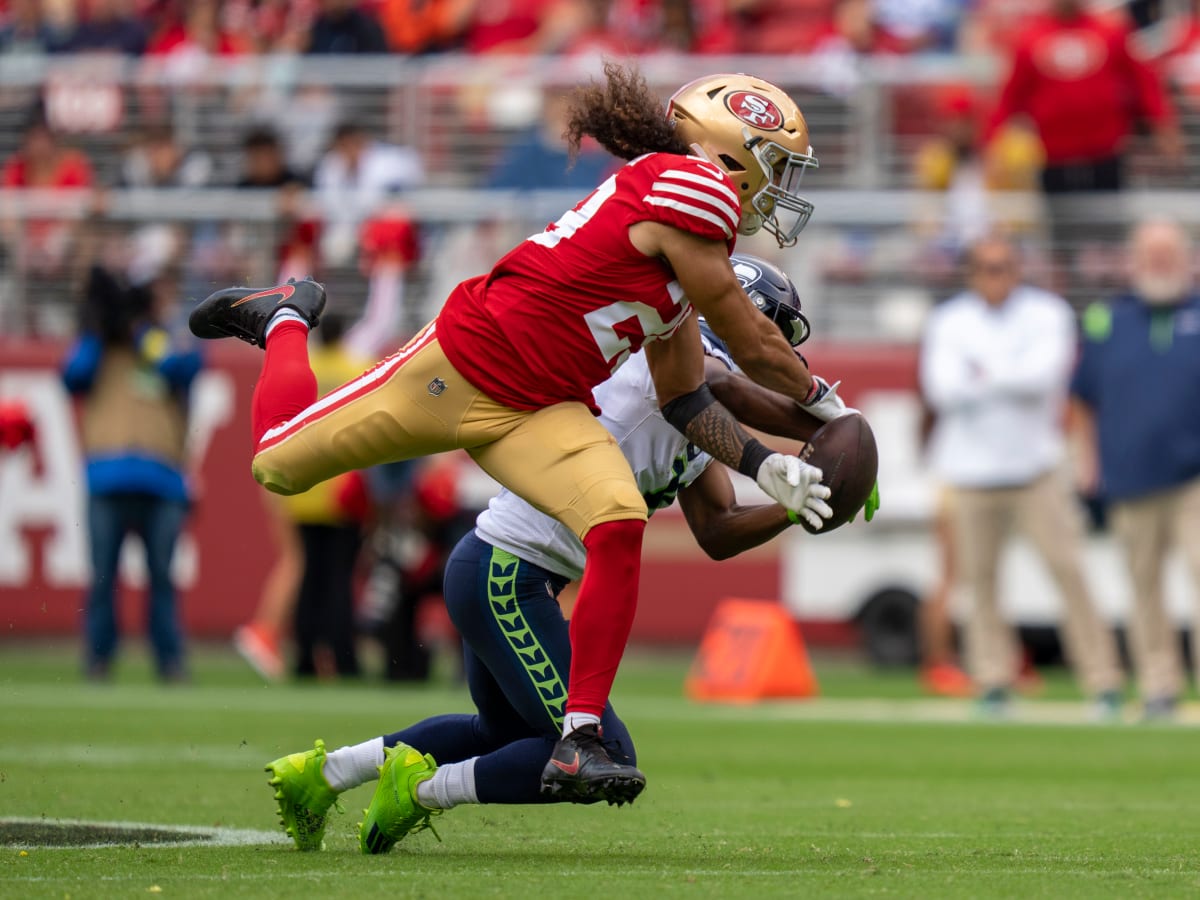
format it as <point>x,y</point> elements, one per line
<point>845,796</point>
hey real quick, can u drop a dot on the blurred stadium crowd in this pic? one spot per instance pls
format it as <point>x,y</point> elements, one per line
<point>218,28</point>
<point>355,112</point>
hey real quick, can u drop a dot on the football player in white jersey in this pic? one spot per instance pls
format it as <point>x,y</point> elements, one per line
<point>503,580</point>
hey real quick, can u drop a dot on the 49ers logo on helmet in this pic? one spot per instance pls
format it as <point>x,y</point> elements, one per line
<point>755,109</point>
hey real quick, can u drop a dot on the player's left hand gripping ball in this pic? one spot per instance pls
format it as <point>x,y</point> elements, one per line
<point>796,486</point>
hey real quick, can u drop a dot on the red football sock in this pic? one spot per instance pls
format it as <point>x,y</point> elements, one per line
<point>604,611</point>
<point>286,384</point>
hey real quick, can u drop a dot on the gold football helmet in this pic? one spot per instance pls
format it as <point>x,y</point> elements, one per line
<point>757,134</point>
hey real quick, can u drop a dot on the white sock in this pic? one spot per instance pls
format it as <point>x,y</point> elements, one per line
<point>451,784</point>
<point>284,315</point>
<point>573,720</point>
<point>348,767</point>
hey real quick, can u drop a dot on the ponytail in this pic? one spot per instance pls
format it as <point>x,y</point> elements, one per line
<point>623,115</point>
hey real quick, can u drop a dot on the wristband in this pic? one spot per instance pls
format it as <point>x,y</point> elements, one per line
<point>754,454</point>
<point>815,392</point>
<point>793,516</point>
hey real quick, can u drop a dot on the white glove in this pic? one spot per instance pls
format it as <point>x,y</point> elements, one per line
<point>795,485</point>
<point>828,405</point>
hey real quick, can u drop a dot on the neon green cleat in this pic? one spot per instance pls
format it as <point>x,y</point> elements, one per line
<point>303,795</point>
<point>395,811</point>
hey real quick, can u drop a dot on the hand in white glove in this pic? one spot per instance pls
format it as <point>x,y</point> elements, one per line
<point>826,404</point>
<point>795,485</point>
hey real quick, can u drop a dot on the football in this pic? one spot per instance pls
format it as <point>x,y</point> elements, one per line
<point>845,452</point>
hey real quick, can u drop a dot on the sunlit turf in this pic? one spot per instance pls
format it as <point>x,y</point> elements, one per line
<point>848,796</point>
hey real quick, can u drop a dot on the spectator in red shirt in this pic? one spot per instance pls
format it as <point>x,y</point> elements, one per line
<point>194,29</point>
<point>505,26</point>
<point>270,26</point>
<point>781,26</point>
<point>638,26</point>
<point>993,26</point>
<point>695,26</point>
<point>42,162</point>
<point>182,48</point>
<point>1074,77</point>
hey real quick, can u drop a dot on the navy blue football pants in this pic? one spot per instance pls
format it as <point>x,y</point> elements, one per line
<point>516,653</point>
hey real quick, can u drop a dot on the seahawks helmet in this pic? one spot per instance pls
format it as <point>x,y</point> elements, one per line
<point>773,293</point>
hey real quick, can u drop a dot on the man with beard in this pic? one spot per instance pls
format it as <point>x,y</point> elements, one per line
<point>1142,447</point>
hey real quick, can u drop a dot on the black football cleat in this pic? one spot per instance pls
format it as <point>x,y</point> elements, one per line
<point>581,771</point>
<point>243,312</point>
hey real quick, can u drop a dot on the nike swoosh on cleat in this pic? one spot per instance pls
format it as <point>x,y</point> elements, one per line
<point>284,291</point>
<point>568,768</point>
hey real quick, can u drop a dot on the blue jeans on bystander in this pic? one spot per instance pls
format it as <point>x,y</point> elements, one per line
<point>158,522</point>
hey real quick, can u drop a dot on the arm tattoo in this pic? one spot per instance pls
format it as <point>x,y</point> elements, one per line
<point>715,431</point>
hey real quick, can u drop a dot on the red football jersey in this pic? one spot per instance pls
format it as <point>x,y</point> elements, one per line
<point>565,308</point>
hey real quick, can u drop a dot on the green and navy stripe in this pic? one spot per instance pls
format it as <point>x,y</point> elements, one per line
<point>503,568</point>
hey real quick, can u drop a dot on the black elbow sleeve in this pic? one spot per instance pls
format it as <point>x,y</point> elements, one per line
<point>680,411</point>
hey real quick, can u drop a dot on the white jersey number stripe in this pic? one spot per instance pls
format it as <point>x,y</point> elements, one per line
<point>711,183</point>
<point>690,210</point>
<point>730,212</point>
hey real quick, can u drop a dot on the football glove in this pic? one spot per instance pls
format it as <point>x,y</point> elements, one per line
<point>871,506</point>
<point>825,404</point>
<point>796,486</point>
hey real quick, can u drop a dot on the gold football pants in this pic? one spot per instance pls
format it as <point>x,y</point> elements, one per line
<point>414,403</point>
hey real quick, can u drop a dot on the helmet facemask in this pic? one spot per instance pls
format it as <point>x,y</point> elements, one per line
<point>780,208</point>
<point>792,322</point>
<point>756,133</point>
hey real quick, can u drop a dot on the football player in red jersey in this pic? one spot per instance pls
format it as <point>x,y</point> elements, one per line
<point>507,368</point>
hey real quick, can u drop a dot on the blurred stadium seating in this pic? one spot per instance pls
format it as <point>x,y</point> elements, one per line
<point>869,264</point>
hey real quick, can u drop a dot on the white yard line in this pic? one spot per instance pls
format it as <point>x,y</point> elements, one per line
<point>121,755</point>
<point>204,836</point>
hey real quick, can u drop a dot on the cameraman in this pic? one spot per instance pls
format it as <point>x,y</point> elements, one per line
<point>133,380</point>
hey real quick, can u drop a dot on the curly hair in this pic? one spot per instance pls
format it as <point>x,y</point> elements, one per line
<point>623,114</point>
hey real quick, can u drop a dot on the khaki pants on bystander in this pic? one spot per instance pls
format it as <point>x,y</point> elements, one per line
<point>984,520</point>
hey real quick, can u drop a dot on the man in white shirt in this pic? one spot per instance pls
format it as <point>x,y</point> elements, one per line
<point>353,179</point>
<point>995,365</point>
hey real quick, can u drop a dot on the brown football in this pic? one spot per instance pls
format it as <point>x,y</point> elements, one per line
<point>845,452</point>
